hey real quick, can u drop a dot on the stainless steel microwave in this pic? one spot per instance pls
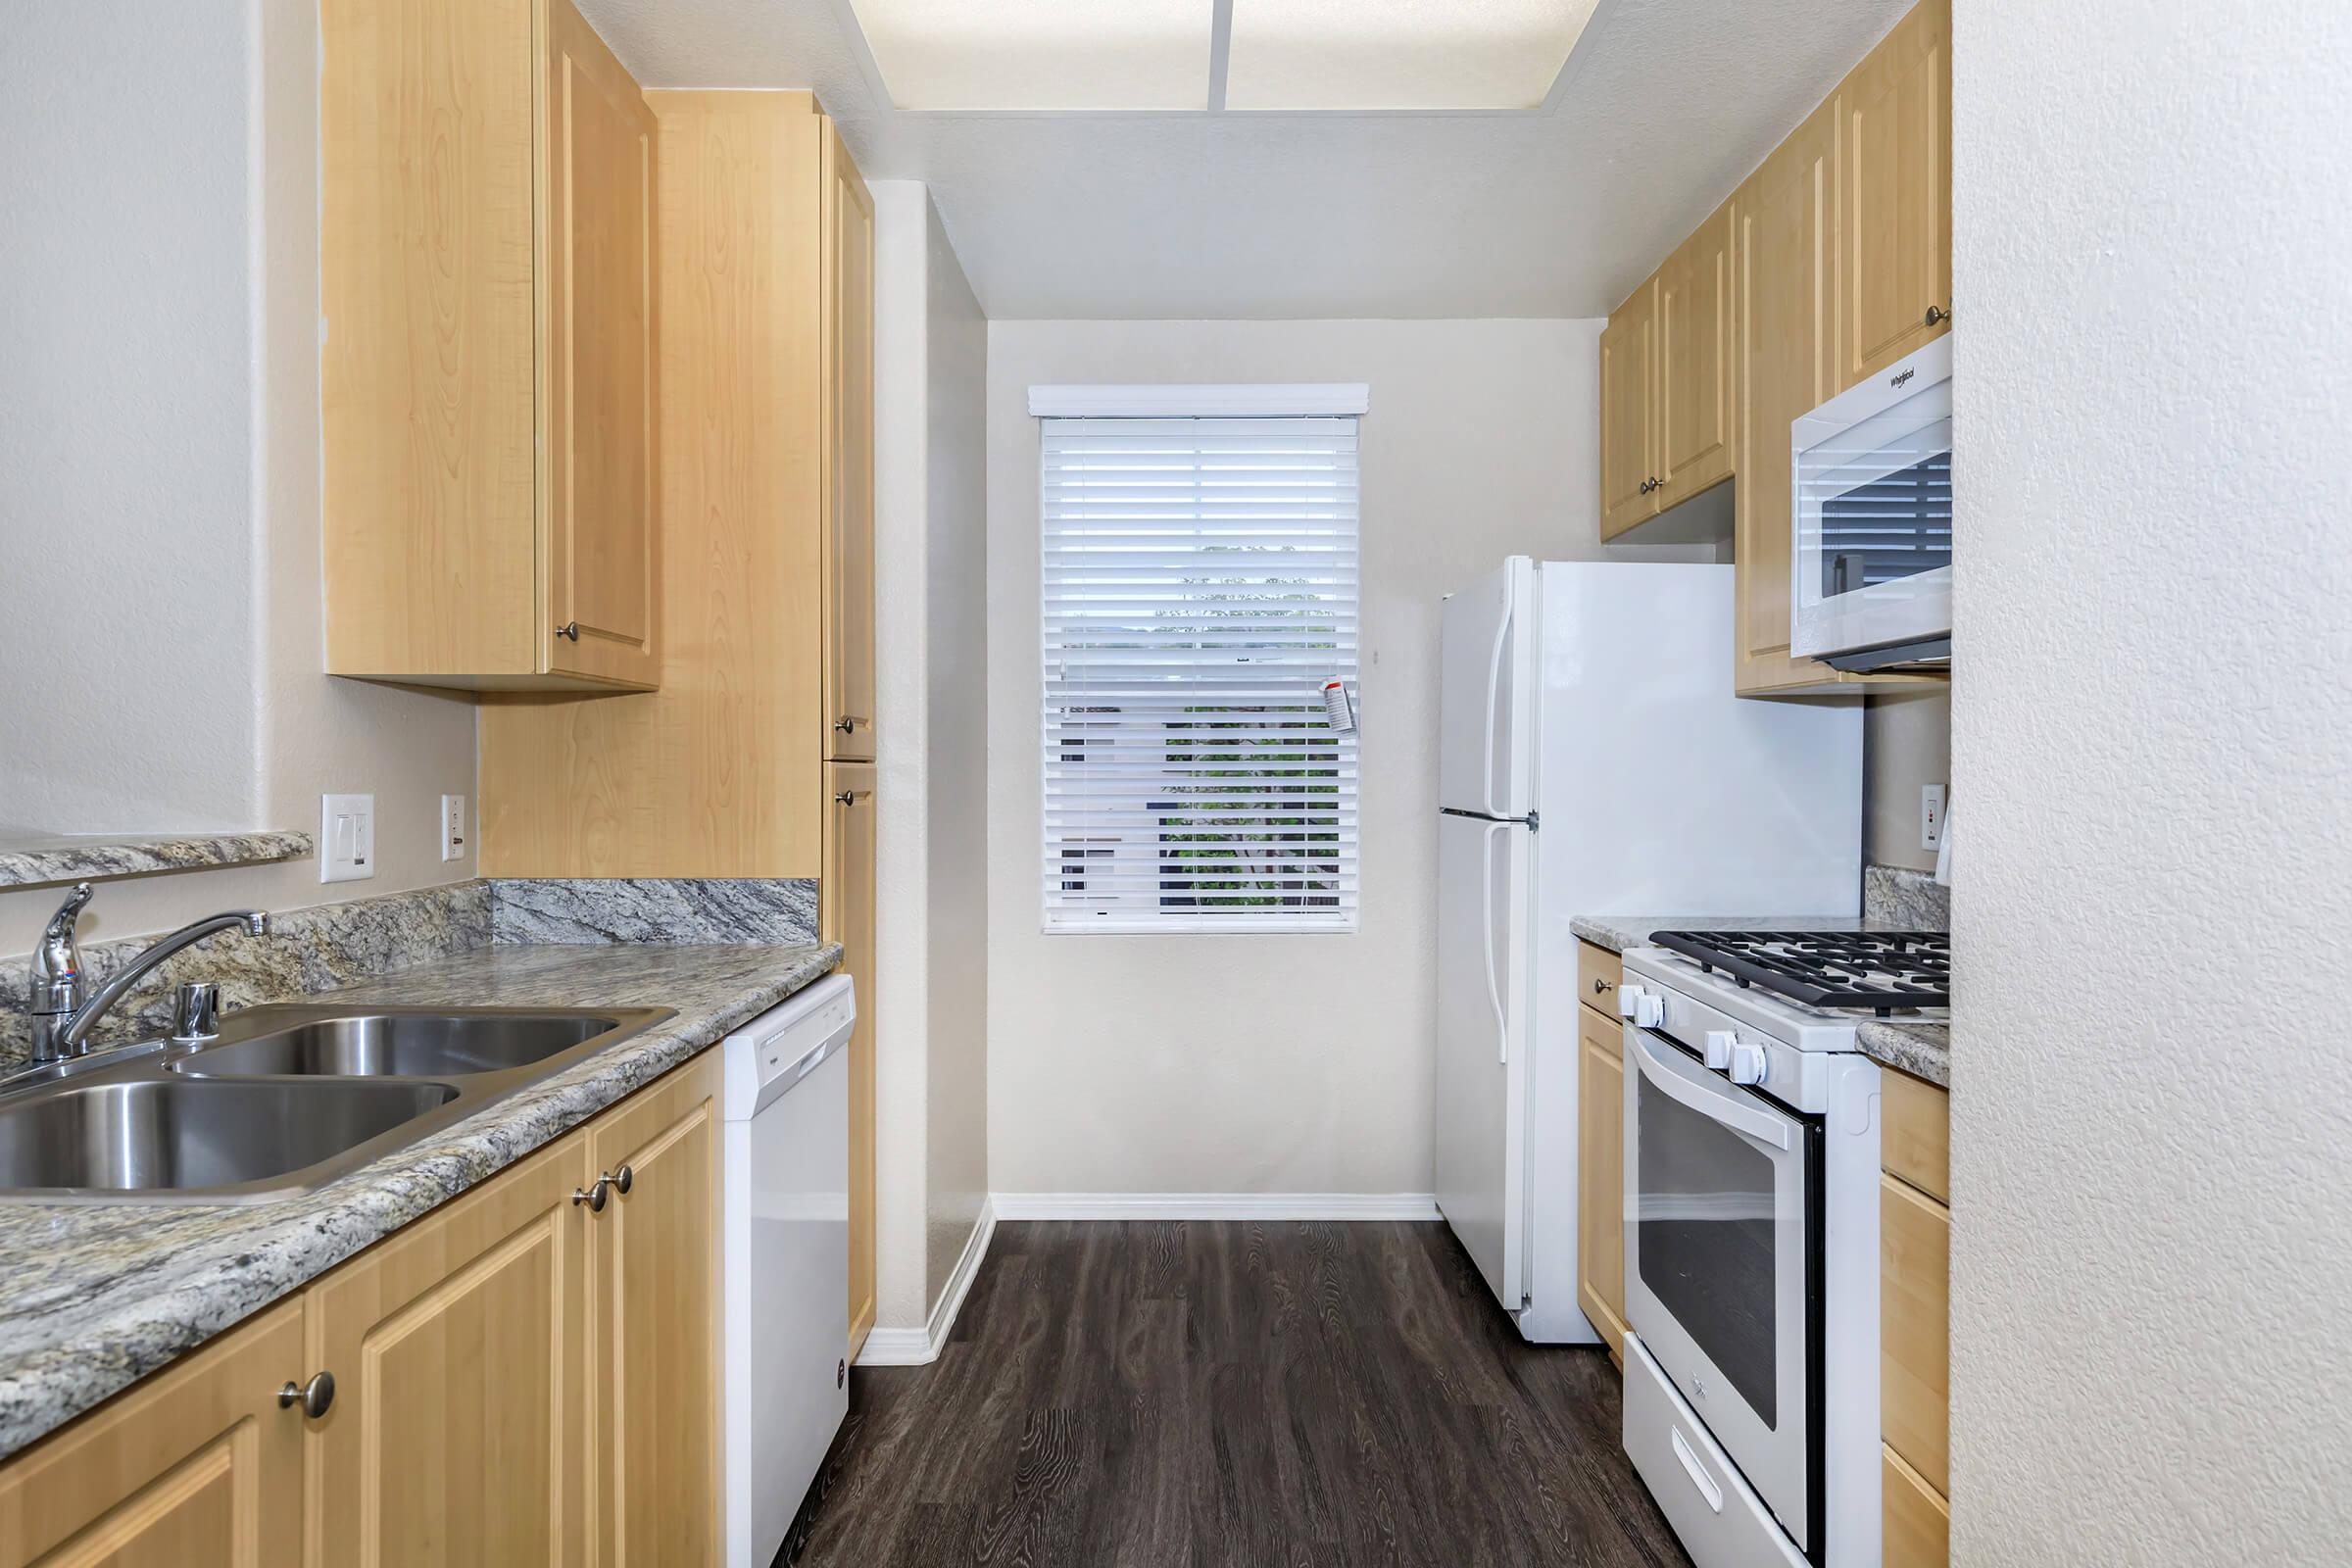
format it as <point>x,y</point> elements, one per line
<point>1873,550</point>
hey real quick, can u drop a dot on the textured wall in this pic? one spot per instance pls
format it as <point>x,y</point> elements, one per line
<point>158,415</point>
<point>2152,1138</point>
<point>1284,1063</point>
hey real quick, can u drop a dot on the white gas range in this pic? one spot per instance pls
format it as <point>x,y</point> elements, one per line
<point>1752,1236</point>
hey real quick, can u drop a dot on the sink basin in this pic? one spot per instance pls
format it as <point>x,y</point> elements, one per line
<point>154,1133</point>
<point>398,1044</point>
<point>290,1097</point>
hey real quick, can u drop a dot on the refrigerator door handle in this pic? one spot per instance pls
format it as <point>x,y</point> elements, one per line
<point>1502,640</point>
<point>1486,861</point>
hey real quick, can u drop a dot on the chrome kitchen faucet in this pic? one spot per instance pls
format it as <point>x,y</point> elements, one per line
<point>64,1010</point>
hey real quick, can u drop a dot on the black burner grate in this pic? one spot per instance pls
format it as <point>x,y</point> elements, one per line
<point>1884,970</point>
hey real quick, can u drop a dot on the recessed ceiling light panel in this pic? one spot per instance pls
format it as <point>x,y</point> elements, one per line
<point>1040,53</point>
<point>1399,53</point>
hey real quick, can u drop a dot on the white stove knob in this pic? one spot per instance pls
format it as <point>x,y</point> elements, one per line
<point>1748,1062</point>
<point>1718,1048</point>
<point>1645,1010</point>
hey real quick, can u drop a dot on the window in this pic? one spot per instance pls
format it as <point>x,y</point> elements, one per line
<point>1200,590</point>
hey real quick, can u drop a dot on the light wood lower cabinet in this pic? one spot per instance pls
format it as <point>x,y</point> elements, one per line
<point>1915,1238</point>
<point>529,1374</point>
<point>1601,1175</point>
<point>654,1323</point>
<point>198,1467</point>
<point>461,1409</point>
<point>846,915</point>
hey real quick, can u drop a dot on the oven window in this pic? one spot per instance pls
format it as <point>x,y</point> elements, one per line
<point>1705,1213</point>
<point>1888,529</point>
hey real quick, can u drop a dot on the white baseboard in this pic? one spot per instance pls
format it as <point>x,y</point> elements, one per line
<point>1216,1206</point>
<point>921,1347</point>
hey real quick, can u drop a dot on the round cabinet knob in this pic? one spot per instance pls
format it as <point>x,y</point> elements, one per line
<point>1601,988</point>
<point>1748,1062</point>
<point>594,1197</point>
<point>1938,316</point>
<point>314,1397</point>
<point>1718,1048</point>
<point>623,1179</point>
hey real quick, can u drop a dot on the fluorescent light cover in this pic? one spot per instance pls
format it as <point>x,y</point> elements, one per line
<point>1399,53</point>
<point>1040,53</point>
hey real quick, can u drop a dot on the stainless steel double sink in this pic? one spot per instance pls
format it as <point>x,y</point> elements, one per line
<point>288,1097</point>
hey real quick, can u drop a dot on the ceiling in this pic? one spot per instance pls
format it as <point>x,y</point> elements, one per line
<point>1663,106</point>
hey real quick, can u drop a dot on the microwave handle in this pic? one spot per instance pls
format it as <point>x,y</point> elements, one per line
<point>1674,1081</point>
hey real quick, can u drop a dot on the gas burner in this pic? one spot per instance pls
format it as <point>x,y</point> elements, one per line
<point>1885,972</point>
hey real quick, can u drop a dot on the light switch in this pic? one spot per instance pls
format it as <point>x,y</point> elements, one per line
<point>346,838</point>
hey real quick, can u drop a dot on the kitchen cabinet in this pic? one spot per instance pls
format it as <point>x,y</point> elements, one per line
<point>1629,352</point>
<point>849,454</point>
<point>1600,1176</point>
<point>488,371</point>
<point>528,1374</point>
<point>1914,1237</point>
<point>1693,414</point>
<point>654,1326</point>
<point>764,245</point>
<point>461,1411</point>
<point>846,915</point>
<point>198,1467</point>
<point>1894,126</point>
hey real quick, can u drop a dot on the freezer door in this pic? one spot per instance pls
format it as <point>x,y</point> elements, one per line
<point>1482,1047</point>
<point>1486,745</point>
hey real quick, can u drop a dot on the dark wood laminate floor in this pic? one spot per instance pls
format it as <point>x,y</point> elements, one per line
<point>1234,1396</point>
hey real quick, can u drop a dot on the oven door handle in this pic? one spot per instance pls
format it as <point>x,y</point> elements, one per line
<point>1674,1081</point>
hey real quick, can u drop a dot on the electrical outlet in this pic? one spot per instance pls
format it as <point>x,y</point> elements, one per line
<point>453,827</point>
<point>346,838</point>
<point>1931,815</point>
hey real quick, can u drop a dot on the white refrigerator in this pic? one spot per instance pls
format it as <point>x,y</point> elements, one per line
<point>1593,760</point>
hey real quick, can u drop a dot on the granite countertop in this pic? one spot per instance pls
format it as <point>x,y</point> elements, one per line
<point>1923,1050</point>
<point>99,1296</point>
<point>30,860</point>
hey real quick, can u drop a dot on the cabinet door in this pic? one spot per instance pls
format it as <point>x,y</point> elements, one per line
<point>849,455</point>
<point>1915,1521</point>
<point>1783,256</point>
<point>197,1467</point>
<point>848,917</point>
<point>1896,119</point>
<point>1915,1243</point>
<point>653,1309</point>
<point>600,486</point>
<point>1695,362</point>
<point>1600,1176</point>
<point>1628,412</point>
<point>458,1432</point>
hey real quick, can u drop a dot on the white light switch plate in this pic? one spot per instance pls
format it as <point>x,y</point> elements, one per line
<point>453,827</point>
<point>1931,815</point>
<point>346,838</point>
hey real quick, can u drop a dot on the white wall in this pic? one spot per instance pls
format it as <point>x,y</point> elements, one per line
<point>930,359</point>
<point>2151,1267</point>
<point>1268,1063</point>
<point>159,414</point>
<point>1906,743</point>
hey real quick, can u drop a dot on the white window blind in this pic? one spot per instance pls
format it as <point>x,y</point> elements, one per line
<point>1199,589</point>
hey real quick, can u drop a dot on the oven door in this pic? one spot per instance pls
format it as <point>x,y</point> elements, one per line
<point>1723,1264</point>
<point>1872,548</point>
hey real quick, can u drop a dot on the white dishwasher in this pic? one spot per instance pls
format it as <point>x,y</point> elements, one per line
<point>785,1243</point>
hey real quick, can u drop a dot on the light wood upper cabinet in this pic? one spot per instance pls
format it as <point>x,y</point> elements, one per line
<point>1895,134</point>
<point>1601,1175</point>
<point>763,264</point>
<point>1695,355</point>
<point>654,1326</point>
<point>460,1416</point>
<point>846,915</point>
<point>487,383</point>
<point>1784,221</point>
<point>603,571</point>
<point>198,1467</point>
<point>1628,383</point>
<point>848,476</point>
